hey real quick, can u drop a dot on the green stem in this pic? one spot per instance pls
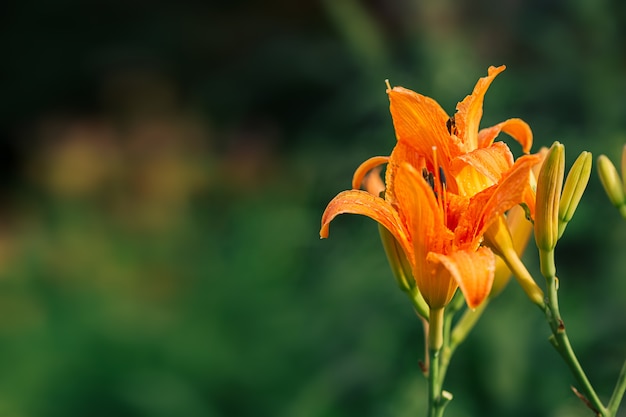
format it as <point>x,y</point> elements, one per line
<point>435,329</point>
<point>434,387</point>
<point>437,400</point>
<point>561,341</point>
<point>618,392</point>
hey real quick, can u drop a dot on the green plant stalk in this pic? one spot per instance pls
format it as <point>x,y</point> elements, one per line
<point>546,263</point>
<point>561,342</point>
<point>436,401</point>
<point>618,392</point>
<point>451,309</point>
<point>434,384</point>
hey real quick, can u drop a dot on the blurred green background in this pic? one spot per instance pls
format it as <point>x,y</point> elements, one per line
<point>164,170</point>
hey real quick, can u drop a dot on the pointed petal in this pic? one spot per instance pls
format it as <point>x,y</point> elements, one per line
<point>481,168</point>
<point>439,283</point>
<point>420,122</point>
<point>364,168</point>
<point>470,110</point>
<point>419,208</point>
<point>514,188</point>
<point>473,271</point>
<point>424,220</point>
<point>373,183</point>
<point>516,128</point>
<point>364,203</point>
<point>402,154</point>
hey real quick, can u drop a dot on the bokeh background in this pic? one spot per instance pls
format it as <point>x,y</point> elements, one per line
<point>164,168</point>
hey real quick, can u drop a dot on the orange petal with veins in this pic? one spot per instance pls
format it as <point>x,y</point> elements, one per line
<point>473,271</point>
<point>481,168</point>
<point>364,203</point>
<point>516,128</point>
<point>484,207</point>
<point>470,110</point>
<point>420,122</point>
<point>364,168</point>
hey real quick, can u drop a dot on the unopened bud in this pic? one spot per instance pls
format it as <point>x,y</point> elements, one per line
<point>401,269</point>
<point>397,260</point>
<point>549,185</point>
<point>573,189</point>
<point>611,181</point>
<point>624,168</point>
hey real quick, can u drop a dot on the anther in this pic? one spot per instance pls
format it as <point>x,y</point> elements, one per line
<point>451,125</point>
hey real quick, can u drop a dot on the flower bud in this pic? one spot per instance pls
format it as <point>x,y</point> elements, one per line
<point>549,185</point>
<point>397,260</point>
<point>401,269</point>
<point>611,181</point>
<point>573,189</point>
<point>624,167</point>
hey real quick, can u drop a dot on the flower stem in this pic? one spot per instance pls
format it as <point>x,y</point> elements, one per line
<point>437,399</point>
<point>618,392</point>
<point>561,342</point>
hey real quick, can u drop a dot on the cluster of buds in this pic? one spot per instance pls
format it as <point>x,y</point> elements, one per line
<point>556,202</point>
<point>613,185</point>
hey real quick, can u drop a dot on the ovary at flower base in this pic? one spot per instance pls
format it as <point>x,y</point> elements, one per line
<point>445,183</point>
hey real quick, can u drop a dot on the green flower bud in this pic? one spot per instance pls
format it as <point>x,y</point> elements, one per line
<point>611,181</point>
<point>624,168</point>
<point>401,269</point>
<point>549,185</point>
<point>573,189</point>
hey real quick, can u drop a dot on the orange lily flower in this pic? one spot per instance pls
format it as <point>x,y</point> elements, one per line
<point>469,157</point>
<point>446,182</point>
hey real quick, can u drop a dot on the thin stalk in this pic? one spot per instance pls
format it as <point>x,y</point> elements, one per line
<point>561,341</point>
<point>618,392</point>
<point>436,402</point>
<point>434,386</point>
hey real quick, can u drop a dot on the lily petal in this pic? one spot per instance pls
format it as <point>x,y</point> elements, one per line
<point>470,110</point>
<point>420,210</point>
<point>473,271</point>
<point>373,183</point>
<point>364,203</point>
<point>515,188</point>
<point>364,168</point>
<point>481,168</point>
<point>516,128</point>
<point>402,154</point>
<point>424,220</point>
<point>420,122</point>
